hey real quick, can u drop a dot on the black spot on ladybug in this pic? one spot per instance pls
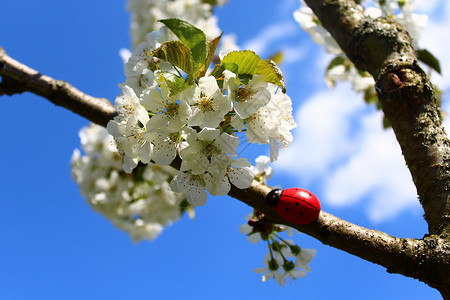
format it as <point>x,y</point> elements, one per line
<point>297,204</point>
<point>301,213</point>
<point>287,208</point>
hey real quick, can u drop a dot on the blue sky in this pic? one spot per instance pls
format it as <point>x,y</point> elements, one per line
<point>53,246</point>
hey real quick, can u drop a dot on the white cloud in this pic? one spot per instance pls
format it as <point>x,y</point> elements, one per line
<point>431,7</point>
<point>287,7</point>
<point>322,135</point>
<point>294,53</point>
<point>270,34</point>
<point>375,170</point>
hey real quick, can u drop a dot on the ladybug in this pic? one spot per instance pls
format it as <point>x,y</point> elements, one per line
<point>295,205</point>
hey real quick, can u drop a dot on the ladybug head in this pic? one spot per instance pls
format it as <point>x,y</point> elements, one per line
<point>273,197</point>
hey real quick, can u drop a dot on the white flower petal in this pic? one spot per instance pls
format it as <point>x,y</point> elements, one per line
<point>129,164</point>
<point>254,238</point>
<point>152,100</point>
<point>245,228</point>
<point>273,151</point>
<point>196,196</point>
<point>260,270</point>
<point>208,85</point>
<point>208,134</point>
<point>241,178</point>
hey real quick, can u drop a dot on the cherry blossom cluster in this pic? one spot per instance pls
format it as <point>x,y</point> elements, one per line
<point>163,116</point>
<point>285,259</point>
<point>340,68</point>
<point>140,203</point>
<point>146,13</point>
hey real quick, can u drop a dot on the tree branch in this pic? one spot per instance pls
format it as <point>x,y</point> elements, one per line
<point>384,49</point>
<point>18,78</point>
<point>404,256</point>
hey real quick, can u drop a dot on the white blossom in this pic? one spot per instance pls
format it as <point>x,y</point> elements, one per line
<point>208,104</point>
<point>260,169</point>
<point>309,22</point>
<point>167,144</point>
<point>293,274</point>
<point>170,112</point>
<point>272,268</point>
<point>349,73</point>
<point>128,128</point>
<point>303,259</point>
<point>271,122</point>
<point>208,144</point>
<point>192,185</point>
<point>163,113</point>
<point>361,81</point>
<point>248,97</point>
<point>226,171</point>
<point>146,13</point>
<point>141,203</point>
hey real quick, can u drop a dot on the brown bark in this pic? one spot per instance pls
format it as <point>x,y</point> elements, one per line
<point>384,49</point>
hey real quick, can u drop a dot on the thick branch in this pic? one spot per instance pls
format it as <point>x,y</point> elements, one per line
<point>18,78</point>
<point>384,48</point>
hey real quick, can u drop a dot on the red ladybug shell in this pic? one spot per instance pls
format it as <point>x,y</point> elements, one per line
<point>295,205</point>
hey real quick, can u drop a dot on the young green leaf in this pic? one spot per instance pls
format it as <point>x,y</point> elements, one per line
<point>176,53</point>
<point>211,47</point>
<point>277,71</point>
<point>190,36</point>
<point>277,57</point>
<point>249,63</point>
<point>174,82</point>
<point>217,71</point>
<point>338,60</point>
<point>233,67</point>
<point>429,59</point>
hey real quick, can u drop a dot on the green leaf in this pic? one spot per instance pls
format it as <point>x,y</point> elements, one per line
<point>370,96</point>
<point>338,60</point>
<point>277,57</point>
<point>277,71</point>
<point>175,83</point>
<point>190,36</point>
<point>176,53</point>
<point>211,2</point>
<point>386,123</point>
<point>231,66</point>
<point>429,59</point>
<point>211,47</point>
<point>217,71</point>
<point>249,64</point>
<point>401,3</point>
<point>247,61</point>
